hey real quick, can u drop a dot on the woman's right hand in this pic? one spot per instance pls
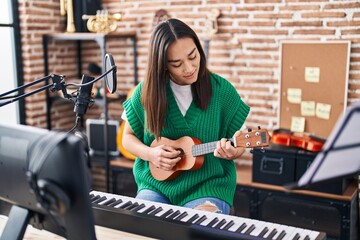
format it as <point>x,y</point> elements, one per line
<point>164,157</point>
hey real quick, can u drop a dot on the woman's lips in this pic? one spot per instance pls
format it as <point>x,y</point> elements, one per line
<point>191,75</point>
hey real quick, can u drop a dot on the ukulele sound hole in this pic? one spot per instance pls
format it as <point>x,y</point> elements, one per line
<point>181,155</point>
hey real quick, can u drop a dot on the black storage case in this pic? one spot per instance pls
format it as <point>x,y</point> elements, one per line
<point>279,165</point>
<point>273,166</point>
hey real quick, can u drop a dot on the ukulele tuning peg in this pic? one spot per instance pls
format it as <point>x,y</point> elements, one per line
<point>249,130</point>
<point>259,127</point>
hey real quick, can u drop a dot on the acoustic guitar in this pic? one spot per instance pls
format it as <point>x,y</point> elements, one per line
<point>119,135</point>
<point>193,151</point>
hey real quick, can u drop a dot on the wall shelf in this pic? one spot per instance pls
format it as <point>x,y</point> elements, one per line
<point>100,39</point>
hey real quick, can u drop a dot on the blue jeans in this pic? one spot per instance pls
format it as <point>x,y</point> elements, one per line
<point>150,195</point>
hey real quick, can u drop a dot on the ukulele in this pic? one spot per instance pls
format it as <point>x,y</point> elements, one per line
<point>300,140</point>
<point>193,151</point>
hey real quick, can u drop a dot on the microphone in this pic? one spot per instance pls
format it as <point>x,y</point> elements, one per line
<point>84,97</point>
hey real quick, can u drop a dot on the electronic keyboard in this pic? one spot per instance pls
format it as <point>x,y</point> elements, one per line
<point>164,221</point>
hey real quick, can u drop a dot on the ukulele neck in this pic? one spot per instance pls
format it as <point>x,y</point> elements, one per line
<point>205,148</point>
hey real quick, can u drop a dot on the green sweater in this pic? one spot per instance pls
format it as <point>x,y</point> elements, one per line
<point>225,115</point>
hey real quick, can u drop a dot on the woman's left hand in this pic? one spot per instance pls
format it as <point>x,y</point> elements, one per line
<point>225,150</point>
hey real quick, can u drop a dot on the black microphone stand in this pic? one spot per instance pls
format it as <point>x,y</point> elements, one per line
<point>56,85</point>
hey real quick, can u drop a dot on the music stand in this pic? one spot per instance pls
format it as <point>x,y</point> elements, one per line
<point>340,156</point>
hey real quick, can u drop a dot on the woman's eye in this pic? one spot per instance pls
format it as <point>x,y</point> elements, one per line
<point>193,57</point>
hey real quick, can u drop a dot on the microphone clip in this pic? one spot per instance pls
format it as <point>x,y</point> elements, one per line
<point>59,84</point>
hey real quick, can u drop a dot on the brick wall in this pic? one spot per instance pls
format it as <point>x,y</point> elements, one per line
<point>245,50</point>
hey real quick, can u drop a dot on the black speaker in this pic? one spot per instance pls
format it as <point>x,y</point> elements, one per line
<point>81,7</point>
<point>123,181</point>
<point>243,201</point>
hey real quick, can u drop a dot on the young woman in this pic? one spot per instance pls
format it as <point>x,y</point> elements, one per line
<point>181,97</point>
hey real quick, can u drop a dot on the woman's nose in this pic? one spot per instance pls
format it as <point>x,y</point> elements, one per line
<point>187,67</point>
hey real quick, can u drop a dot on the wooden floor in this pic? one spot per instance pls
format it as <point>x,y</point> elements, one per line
<point>102,233</point>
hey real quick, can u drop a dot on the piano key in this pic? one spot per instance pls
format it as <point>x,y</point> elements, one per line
<point>200,220</point>
<point>250,229</point>
<point>209,220</point>
<point>123,206</point>
<point>220,224</point>
<point>94,197</point>
<point>258,227</point>
<point>291,231</point>
<point>241,228</point>
<point>296,237</point>
<point>109,201</point>
<point>174,214</point>
<point>313,234</point>
<point>157,210</point>
<point>305,234</point>
<point>241,224</point>
<point>131,206</point>
<point>212,222</point>
<point>100,199</point>
<point>193,218</point>
<point>302,234</point>
<point>271,234</point>
<point>167,213</point>
<point>263,232</point>
<point>116,203</point>
<point>229,225</point>
<point>141,206</point>
<point>149,209</point>
<point>181,216</point>
<point>281,235</point>
<point>280,228</point>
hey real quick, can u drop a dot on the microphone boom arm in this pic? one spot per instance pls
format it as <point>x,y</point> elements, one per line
<point>58,84</point>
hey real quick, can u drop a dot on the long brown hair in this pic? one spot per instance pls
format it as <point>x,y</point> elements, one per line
<point>154,97</point>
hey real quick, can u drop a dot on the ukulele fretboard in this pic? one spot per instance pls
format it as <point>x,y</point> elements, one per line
<point>205,148</point>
